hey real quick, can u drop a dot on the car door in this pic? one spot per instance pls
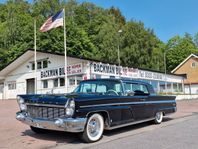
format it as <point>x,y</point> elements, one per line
<point>137,100</point>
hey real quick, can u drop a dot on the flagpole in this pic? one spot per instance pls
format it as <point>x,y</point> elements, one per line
<point>65,47</point>
<point>35,62</point>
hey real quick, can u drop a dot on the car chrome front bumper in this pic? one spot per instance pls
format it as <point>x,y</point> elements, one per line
<point>60,124</point>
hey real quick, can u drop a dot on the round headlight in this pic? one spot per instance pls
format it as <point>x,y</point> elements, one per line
<point>21,100</point>
<point>69,111</point>
<point>23,107</point>
<point>70,107</point>
<point>72,104</point>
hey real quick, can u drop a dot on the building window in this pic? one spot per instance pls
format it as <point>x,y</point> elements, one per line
<point>155,85</point>
<point>45,64</point>
<point>175,87</point>
<point>193,65</point>
<point>33,66</point>
<point>78,79</point>
<point>162,87</point>
<point>180,88</point>
<point>12,86</point>
<point>55,82</point>
<point>72,81</point>
<point>62,81</point>
<point>39,65</point>
<point>45,83</point>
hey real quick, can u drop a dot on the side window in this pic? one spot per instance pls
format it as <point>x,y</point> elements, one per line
<point>138,89</point>
<point>144,89</point>
<point>128,87</point>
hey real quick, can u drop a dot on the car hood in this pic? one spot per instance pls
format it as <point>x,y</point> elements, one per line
<point>45,99</point>
<point>57,99</point>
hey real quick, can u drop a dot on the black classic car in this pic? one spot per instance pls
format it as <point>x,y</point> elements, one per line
<point>95,105</point>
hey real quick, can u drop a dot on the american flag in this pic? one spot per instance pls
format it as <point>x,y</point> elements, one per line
<point>53,22</point>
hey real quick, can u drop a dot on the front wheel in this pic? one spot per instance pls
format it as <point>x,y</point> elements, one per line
<point>158,117</point>
<point>94,128</point>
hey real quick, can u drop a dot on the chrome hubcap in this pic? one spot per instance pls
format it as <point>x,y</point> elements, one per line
<point>93,127</point>
<point>158,115</point>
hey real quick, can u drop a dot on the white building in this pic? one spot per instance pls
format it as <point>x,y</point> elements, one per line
<point>19,76</point>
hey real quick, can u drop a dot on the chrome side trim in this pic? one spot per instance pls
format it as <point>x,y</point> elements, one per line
<point>60,124</point>
<point>129,103</point>
<point>128,124</point>
<point>45,105</point>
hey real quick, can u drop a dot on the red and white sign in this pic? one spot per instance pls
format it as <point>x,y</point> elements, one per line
<point>74,69</point>
<point>57,72</point>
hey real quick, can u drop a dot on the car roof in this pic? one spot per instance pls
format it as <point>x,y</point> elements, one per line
<point>119,80</point>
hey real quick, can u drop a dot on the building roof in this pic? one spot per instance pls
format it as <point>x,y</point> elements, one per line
<point>16,62</point>
<point>191,55</point>
<point>30,52</point>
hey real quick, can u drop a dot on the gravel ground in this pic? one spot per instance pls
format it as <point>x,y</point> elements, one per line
<point>14,134</point>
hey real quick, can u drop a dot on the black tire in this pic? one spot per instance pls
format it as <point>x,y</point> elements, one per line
<point>158,117</point>
<point>96,124</point>
<point>38,130</point>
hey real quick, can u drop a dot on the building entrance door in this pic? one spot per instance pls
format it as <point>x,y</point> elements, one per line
<point>30,86</point>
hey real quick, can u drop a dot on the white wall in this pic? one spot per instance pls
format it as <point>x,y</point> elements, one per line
<point>186,97</point>
<point>193,88</point>
<point>24,71</point>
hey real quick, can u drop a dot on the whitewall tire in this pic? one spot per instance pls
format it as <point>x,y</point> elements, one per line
<point>158,117</point>
<point>94,128</point>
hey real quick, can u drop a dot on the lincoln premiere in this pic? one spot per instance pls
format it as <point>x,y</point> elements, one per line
<point>94,106</point>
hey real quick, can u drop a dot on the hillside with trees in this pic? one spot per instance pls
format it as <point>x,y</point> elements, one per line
<point>92,32</point>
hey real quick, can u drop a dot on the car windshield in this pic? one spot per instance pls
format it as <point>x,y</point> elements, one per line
<point>101,87</point>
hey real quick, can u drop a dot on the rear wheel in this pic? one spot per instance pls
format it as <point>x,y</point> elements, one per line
<point>38,130</point>
<point>158,117</point>
<point>94,128</point>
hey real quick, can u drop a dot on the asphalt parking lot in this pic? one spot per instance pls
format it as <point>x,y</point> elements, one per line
<point>14,134</point>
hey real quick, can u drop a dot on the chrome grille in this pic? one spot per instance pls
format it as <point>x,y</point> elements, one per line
<point>45,112</point>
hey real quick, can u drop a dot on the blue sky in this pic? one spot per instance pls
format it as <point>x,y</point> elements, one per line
<point>167,17</point>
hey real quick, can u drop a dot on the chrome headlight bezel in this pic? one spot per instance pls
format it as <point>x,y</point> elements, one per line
<point>23,107</point>
<point>70,107</point>
<point>20,100</point>
<point>21,103</point>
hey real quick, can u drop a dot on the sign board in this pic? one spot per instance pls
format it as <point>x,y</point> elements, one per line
<point>150,75</point>
<point>73,69</point>
<point>113,70</point>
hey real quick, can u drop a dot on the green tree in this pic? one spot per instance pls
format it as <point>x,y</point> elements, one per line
<point>139,46</point>
<point>177,49</point>
<point>92,32</point>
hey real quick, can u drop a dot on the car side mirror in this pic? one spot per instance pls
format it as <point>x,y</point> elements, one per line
<point>129,93</point>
